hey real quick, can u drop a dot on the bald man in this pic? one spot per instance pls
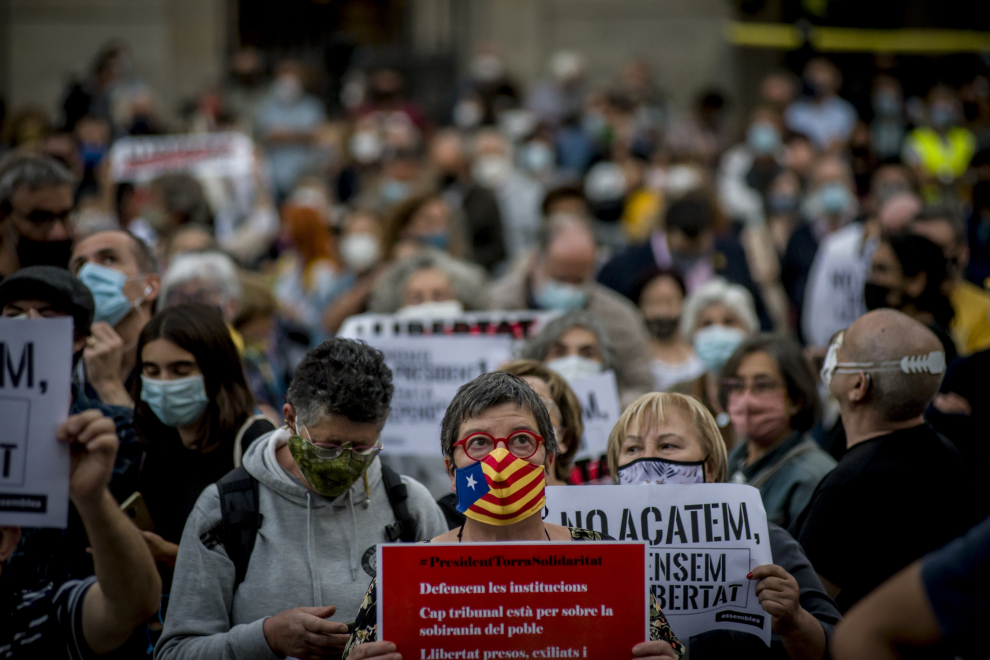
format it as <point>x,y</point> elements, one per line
<point>900,490</point>
<point>560,277</point>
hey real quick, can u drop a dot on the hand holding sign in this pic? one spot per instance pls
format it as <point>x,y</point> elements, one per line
<point>94,447</point>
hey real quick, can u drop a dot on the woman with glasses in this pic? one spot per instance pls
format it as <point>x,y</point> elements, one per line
<point>769,391</point>
<point>195,414</point>
<point>498,426</point>
<point>673,436</point>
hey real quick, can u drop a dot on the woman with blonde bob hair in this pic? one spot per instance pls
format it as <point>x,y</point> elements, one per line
<point>665,438</point>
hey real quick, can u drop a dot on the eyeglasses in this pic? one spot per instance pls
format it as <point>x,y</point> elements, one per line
<point>522,444</point>
<point>329,451</point>
<point>757,386</point>
<point>44,220</point>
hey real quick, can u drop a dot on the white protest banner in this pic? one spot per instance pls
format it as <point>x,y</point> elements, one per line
<point>141,159</point>
<point>599,397</point>
<point>515,324</point>
<point>704,539</point>
<point>426,372</point>
<point>35,380</point>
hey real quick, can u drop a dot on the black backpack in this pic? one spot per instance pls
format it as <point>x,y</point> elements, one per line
<point>240,519</point>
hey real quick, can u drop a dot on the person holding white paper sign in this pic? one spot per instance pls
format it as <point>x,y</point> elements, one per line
<point>671,438</point>
<point>496,429</point>
<point>80,618</point>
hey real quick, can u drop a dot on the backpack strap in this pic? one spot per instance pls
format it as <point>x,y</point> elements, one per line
<point>239,519</point>
<point>253,428</point>
<point>404,527</point>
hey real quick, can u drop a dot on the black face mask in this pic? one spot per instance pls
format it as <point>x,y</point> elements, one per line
<point>875,296</point>
<point>43,253</point>
<point>663,327</point>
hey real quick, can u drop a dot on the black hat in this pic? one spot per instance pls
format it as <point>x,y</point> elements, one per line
<point>54,285</point>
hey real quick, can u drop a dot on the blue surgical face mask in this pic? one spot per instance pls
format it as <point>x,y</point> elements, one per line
<point>835,199</point>
<point>560,296</point>
<point>394,191</point>
<point>107,287</point>
<point>763,138</point>
<point>715,344</point>
<point>177,402</point>
<point>439,240</point>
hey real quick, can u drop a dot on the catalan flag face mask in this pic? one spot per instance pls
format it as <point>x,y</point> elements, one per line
<point>500,489</point>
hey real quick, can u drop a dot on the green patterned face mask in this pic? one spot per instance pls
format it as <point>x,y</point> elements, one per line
<point>330,470</point>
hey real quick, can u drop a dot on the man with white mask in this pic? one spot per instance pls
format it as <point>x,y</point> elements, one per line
<point>121,272</point>
<point>559,278</point>
<point>518,194</point>
<point>897,476</point>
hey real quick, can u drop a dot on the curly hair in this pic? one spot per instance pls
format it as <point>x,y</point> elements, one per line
<point>342,377</point>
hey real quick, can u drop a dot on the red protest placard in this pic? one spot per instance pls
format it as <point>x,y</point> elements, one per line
<point>493,601</point>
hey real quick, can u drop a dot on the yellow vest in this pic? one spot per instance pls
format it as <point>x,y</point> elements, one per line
<point>970,326</point>
<point>946,157</point>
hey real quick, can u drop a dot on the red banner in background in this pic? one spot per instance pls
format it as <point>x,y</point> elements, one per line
<point>513,600</point>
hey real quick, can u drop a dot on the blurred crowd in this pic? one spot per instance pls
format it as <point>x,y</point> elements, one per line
<point>714,252</point>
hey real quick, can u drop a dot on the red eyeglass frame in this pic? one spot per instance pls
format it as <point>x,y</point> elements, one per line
<point>495,441</point>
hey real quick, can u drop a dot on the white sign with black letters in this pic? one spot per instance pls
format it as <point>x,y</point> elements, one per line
<point>704,539</point>
<point>35,381</point>
<point>427,372</point>
<point>600,408</point>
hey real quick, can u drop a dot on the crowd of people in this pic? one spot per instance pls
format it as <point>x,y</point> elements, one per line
<point>799,304</point>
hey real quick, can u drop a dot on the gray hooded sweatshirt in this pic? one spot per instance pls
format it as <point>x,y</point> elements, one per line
<point>309,552</point>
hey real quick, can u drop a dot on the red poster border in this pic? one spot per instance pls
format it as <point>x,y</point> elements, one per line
<point>380,604</point>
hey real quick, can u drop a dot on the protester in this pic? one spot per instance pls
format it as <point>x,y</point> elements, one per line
<point>35,202</point>
<point>823,115</point>
<point>204,277</point>
<point>559,278</point>
<point>938,598</point>
<point>716,320</point>
<point>499,408</point>
<point>678,434</point>
<point>81,618</point>
<point>660,296</point>
<point>970,327</point>
<point>577,345</point>
<point>940,151</point>
<point>429,283</point>
<point>908,273</point>
<point>420,222</point>
<point>269,348</point>
<point>873,495</point>
<point>195,415</point>
<point>320,509</point>
<point>569,429</point>
<point>121,272</point>
<point>770,394</point>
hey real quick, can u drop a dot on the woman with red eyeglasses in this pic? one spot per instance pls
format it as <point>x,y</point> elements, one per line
<point>498,425</point>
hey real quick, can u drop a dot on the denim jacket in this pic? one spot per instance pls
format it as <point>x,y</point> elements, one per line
<point>786,476</point>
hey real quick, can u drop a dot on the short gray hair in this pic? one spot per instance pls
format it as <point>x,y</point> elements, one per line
<point>538,347</point>
<point>487,391</point>
<point>734,296</point>
<point>467,280</point>
<point>215,267</point>
<point>33,172</point>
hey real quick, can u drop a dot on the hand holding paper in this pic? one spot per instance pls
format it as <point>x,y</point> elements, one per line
<point>657,650</point>
<point>780,597</point>
<point>94,446</point>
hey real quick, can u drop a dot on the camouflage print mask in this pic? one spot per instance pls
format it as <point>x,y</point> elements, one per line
<point>330,477</point>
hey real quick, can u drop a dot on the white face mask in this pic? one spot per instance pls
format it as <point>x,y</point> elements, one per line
<point>575,367</point>
<point>492,171</point>
<point>360,251</point>
<point>933,363</point>
<point>432,310</point>
<point>366,147</point>
<point>287,88</point>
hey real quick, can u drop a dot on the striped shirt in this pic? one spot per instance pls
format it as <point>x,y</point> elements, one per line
<point>45,622</point>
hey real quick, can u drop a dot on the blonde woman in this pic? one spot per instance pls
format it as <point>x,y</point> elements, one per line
<point>675,436</point>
